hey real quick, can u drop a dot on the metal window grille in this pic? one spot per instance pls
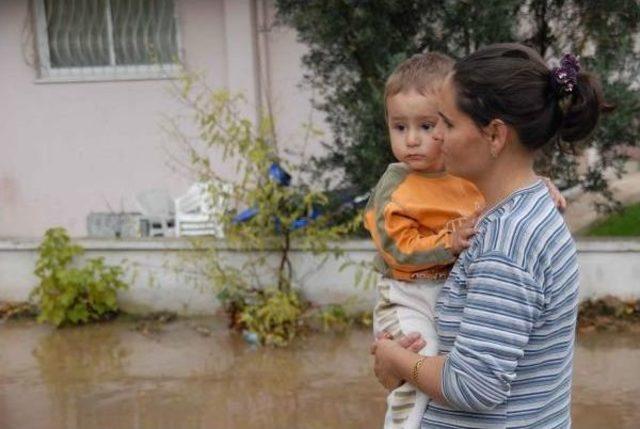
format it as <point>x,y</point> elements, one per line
<point>107,39</point>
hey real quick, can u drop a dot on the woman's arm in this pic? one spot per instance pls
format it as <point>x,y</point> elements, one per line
<point>502,304</point>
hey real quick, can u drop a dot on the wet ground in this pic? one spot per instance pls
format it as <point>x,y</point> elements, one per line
<point>195,374</point>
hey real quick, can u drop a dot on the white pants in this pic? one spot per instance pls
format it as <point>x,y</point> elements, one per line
<point>404,307</point>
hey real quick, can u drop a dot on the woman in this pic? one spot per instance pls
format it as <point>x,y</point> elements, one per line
<point>506,315</point>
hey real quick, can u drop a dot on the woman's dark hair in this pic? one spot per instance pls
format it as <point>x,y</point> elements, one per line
<point>511,82</point>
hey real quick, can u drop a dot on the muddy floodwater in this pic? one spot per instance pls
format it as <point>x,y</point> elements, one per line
<point>195,374</point>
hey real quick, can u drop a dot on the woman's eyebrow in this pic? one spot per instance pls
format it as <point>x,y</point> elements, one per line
<point>443,116</point>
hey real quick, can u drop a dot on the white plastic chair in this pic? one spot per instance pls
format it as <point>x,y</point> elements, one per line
<point>158,209</point>
<point>198,214</point>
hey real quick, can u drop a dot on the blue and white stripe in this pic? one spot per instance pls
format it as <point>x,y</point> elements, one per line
<point>506,318</point>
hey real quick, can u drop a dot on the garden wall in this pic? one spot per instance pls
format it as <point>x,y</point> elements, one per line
<point>165,273</point>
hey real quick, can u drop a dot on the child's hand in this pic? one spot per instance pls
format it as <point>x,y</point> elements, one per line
<point>463,229</point>
<point>556,196</point>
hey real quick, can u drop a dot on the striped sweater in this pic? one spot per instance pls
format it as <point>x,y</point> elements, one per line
<point>506,318</point>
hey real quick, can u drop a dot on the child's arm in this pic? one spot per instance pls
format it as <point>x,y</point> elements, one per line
<point>405,246</point>
<point>463,230</point>
<point>401,241</point>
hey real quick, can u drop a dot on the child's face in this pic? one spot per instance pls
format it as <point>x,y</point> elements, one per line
<point>411,118</point>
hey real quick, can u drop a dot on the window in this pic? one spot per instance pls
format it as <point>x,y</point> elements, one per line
<point>107,39</point>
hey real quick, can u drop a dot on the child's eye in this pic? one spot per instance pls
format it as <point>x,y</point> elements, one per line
<point>399,127</point>
<point>427,126</point>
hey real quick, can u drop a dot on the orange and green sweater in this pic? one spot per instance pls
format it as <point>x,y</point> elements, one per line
<point>409,216</point>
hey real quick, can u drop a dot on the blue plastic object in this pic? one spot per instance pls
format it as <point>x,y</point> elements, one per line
<point>245,215</point>
<point>279,175</point>
<point>315,213</point>
<point>299,223</point>
<point>284,179</point>
<point>251,337</point>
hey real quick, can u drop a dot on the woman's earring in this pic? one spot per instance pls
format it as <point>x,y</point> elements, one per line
<point>493,153</point>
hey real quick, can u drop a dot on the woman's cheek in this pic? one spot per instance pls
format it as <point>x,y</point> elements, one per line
<point>449,159</point>
<point>455,158</point>
<point>449,149</point>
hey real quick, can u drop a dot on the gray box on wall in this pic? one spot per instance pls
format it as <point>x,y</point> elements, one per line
<point>124,224</point>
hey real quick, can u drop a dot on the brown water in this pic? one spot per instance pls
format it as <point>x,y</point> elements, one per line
<point>112,376</point>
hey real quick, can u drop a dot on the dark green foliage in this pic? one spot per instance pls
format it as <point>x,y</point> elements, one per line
<point>354,45</point>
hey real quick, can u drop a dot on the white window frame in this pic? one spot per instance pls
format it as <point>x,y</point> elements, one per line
<point>48,74</point>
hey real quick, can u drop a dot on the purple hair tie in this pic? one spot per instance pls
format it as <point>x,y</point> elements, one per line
<point>565,78</point>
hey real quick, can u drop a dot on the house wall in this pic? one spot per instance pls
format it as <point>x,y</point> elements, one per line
<point>67,149</point>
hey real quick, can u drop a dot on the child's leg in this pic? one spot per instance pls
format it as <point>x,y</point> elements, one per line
<point>403,308</point>
<point>416,306</point>
<point>385,313</point>
<point>385,319</point>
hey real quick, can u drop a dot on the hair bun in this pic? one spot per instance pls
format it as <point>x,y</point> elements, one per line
<point>513,83</point>
<point>581,108</point>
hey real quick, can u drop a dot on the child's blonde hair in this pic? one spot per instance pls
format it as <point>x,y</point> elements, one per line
<point>424,73</point>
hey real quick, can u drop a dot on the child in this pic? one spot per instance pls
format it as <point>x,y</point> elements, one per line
<point>419,217</point>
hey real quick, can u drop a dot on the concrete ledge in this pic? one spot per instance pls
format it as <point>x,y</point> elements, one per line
<point>100,244</point>
<point>612,244</point>
<point>165,275</point>
<point>584,244</point>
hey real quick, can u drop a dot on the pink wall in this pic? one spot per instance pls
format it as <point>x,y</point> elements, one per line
<point>67,149</point>
<point>291,106</point>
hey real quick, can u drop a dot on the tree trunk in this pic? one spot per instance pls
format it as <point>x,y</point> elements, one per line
<point>284,282</point>
<point>542,38</point>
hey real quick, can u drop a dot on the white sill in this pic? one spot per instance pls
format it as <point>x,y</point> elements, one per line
<point>109,74</point>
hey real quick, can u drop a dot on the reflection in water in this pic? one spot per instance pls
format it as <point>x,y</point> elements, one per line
<point>75,364</point>
<point>606,388</point>
<point>111,376</point>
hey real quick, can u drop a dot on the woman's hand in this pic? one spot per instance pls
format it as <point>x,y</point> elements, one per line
<point>384,349</point>
<point>556,196</point>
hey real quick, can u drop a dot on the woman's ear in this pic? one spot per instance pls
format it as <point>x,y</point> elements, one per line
<point>497,133</point>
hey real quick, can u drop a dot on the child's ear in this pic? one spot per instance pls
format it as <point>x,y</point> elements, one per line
<point>498,134</point>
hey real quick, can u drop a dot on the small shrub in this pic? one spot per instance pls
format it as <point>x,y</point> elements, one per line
<point>70,295</point>
<point>608,313</point>
<point>17,310</point>
<point>334,317</point>
<point>275,317</point>
<point>272,207</point>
